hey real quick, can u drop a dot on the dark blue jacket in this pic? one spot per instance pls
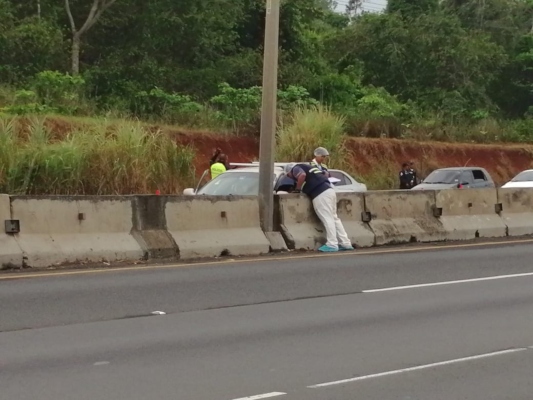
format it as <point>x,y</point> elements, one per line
<point>316,182</point>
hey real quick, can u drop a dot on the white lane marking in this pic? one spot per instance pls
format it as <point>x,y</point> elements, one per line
<point>400,371</point>
<point>97,364</point>
<point>489,278</point>
<point>262,396</point>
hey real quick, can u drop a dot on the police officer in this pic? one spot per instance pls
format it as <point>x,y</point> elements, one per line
<point>416,180</point>
<point>315,184</point>
<point>406,177</point>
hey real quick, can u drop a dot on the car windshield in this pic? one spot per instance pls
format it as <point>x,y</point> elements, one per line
<point>525,176</point>
<point>443,176</point>
<point>233,183</point>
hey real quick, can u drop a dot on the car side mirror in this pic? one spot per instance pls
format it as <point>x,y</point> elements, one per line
<point>189,192</point>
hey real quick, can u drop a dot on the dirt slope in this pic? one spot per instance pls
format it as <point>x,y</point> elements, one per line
<point>386,155</point>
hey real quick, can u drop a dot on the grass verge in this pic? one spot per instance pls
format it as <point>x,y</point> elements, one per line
<point>92,159</point>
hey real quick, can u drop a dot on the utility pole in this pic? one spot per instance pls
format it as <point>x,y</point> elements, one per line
<point>268,116</point>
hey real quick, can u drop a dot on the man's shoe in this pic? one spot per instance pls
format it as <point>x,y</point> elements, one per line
<point>327,249</point>
<point>346,248</point>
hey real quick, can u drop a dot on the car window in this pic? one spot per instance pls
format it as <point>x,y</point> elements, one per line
<point>232,183</point>
<point>479,175</point>
<point>339,175</point>
<point>524,176</point>
<point>467,177</point>
<point>443,176</point>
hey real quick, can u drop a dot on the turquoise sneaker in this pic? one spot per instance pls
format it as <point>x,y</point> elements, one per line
<point>346,248</point>
<point>327,249</point>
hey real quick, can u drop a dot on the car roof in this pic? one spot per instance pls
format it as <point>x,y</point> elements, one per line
<point>458,168</point>
<point>278,170</point>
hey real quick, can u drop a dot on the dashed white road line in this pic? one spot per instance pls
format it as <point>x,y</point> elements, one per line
<point>262,396</point>
<point>400,371</point>
<point>489,278</point>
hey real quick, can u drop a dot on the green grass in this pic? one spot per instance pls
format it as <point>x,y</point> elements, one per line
<point>96,159</point>
<point>309,128</point>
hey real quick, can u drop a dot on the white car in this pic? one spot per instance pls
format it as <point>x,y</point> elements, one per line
<point>244,181</point>
<point>523,180</point>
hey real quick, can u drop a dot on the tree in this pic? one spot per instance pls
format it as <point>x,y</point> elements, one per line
<point>97,9</point>
<point>353,8</point>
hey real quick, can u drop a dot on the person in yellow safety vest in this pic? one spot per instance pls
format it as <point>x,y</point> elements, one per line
<point>218,163</point>
<point>320,154</point>
<point>218,168</point>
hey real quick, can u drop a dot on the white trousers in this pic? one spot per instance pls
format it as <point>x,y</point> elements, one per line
<point>325,206</point>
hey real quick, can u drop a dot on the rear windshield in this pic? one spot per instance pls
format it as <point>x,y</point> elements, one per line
<point>443,176</point>
<point>234,184</point>
<point>525,176</point>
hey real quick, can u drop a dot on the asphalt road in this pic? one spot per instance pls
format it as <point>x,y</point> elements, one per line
<point>296,329</point>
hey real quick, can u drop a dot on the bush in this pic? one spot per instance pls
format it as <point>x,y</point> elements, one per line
<point>309,128</point>
<point>61,91</point>
<point>101,160</point>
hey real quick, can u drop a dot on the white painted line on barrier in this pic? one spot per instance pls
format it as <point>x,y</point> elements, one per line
<point>420,367</point>
<point>489,278</point>
<point>262,396</point>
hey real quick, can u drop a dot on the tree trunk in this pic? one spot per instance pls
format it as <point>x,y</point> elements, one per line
<point>76,41</point>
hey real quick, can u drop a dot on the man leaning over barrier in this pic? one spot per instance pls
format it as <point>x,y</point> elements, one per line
<point>315,184</point>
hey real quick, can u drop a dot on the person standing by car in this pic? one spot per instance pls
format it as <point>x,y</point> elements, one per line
<point>320,154</point>
<point>318,188</point>
<point>218,163</point>
<point>406,177</point>
<point>416,180</point>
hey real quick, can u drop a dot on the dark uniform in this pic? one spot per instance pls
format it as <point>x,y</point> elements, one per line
<point>407,179</point>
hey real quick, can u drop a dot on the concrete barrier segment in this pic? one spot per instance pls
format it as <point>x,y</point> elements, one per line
<point>10,251</point>
<point>516,210</point>
<point>203,226</point>
<point>470,213</point>
<point>403,217</point>
<point>303,230</point>
<point>150,228</point>
<point>74,229</point>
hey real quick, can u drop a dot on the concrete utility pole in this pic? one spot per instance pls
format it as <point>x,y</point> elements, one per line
<point>268,116</point>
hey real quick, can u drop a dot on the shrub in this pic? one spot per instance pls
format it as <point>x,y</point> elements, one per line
<point>309,128</point>
<point>101,160</point>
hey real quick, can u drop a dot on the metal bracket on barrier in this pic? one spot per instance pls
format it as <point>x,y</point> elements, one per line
<point>437,212</point>
<point>366,216</point>
<point>12,226</point>
<point>498,207</point>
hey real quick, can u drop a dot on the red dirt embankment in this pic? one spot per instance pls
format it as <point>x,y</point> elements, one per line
<point>502,161</point>
<point>368,156</point>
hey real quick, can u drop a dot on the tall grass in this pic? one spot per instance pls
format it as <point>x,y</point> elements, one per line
<point>308,128</point>
<point>100,159</point>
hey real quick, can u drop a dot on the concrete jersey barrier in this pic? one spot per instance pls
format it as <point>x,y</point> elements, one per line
<point>10,252</point>
<point>204,226</point>
<point>64,229</point>
<point>403,217</point>
<point>470,213</point>
<point>303,230</point>
<point>517,210</point>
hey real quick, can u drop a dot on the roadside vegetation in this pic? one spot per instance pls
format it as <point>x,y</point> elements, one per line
<point>427,70</point>
<point>95,159</point>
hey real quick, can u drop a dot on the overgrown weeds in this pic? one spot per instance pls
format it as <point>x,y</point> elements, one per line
<point>308,128</point>
<point>98,159</point>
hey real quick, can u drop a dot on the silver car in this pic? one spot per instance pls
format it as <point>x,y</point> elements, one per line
<point>244,181</point>
<point>456,178</point>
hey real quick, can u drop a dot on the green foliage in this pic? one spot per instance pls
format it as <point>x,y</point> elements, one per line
<point>238,106</point>
<point>101,159</point>
<point>423,68</point>
<point>309,128</point>
<point>170,107</point>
